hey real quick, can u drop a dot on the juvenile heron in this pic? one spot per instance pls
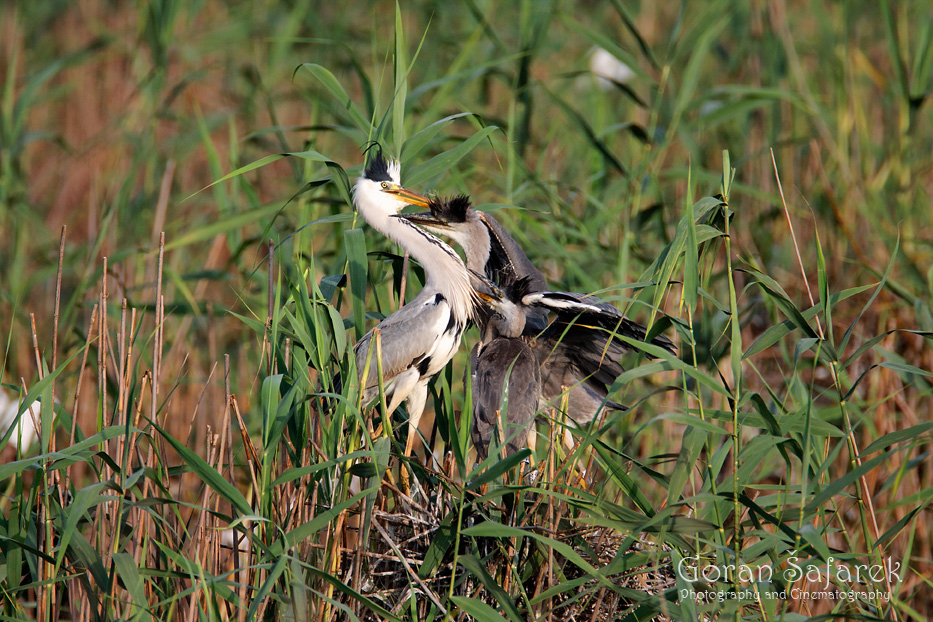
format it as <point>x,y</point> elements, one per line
<point>503,359</point>
<point>581,337</point>
<point>577,357</point>
<point>419,339</point>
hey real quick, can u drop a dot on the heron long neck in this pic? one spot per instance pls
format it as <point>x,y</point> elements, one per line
<point>443,268</point>
<point>504,249</point>
<point>475,243</point>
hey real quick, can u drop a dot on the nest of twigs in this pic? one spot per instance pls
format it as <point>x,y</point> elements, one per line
<point>538,568</point>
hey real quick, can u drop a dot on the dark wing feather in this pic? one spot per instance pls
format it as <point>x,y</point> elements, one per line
<point>508,260</point>
<point>585,396</point>
<point>582,337</point>
<point>594,317</point>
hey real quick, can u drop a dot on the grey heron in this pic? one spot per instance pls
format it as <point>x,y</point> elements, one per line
<point>583,328</point>
<point>503,359</point>
<point>578,353</point>
<point>419,339</point>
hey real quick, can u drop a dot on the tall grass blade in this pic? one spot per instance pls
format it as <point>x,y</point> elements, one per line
<point>207,473</point>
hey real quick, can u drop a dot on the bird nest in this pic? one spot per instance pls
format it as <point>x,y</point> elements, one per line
<point>552,568</point>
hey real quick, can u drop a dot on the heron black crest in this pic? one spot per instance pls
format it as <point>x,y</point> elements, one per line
<point>452,210</point>
<point>377,167</point>
<point>515,288</point>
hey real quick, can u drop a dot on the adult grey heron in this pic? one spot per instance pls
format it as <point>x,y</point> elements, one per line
<point>578,353</point>
<point>419,339</point>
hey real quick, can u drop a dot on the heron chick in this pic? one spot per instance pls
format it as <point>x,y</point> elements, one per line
<point>504,371</point>
<point>582,336</point>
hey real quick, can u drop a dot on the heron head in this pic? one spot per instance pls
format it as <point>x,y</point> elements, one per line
<point>455,218</point>
<point>486,290</point>
<point>380,188</point>
<point>504,301</point>
<point>447,216</point>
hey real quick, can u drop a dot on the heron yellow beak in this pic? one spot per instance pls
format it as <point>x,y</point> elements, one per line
<point>408,196</point>
<point>485,289</point>
<point>487,298</point>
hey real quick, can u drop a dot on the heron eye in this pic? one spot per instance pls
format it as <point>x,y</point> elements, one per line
<point>385,185</point>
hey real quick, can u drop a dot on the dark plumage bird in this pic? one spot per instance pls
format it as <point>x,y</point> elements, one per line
<point>579,347</point>
<point>504,359</point>
<point>577,353</point>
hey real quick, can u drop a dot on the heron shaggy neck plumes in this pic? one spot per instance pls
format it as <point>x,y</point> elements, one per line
<point>455,217</point>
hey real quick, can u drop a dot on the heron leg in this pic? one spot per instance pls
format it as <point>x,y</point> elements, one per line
<point>570,445</point>
<point>402,386</point>
<point>416,400</point>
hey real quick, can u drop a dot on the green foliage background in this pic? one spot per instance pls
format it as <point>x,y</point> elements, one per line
<point>797,418</point>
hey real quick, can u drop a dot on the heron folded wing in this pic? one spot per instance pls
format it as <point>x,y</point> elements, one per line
<point>410,340</point>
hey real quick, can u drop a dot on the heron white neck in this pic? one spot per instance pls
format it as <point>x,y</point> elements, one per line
<point>443,268</point>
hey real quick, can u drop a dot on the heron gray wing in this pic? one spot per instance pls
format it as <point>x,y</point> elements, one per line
<point>499,360</point>
<point>581,344</point>
<point>584,396</point>
<point>409,337</point>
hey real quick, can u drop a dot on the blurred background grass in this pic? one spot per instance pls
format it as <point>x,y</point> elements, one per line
<point>105,103</point>
<point>115,116</point>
